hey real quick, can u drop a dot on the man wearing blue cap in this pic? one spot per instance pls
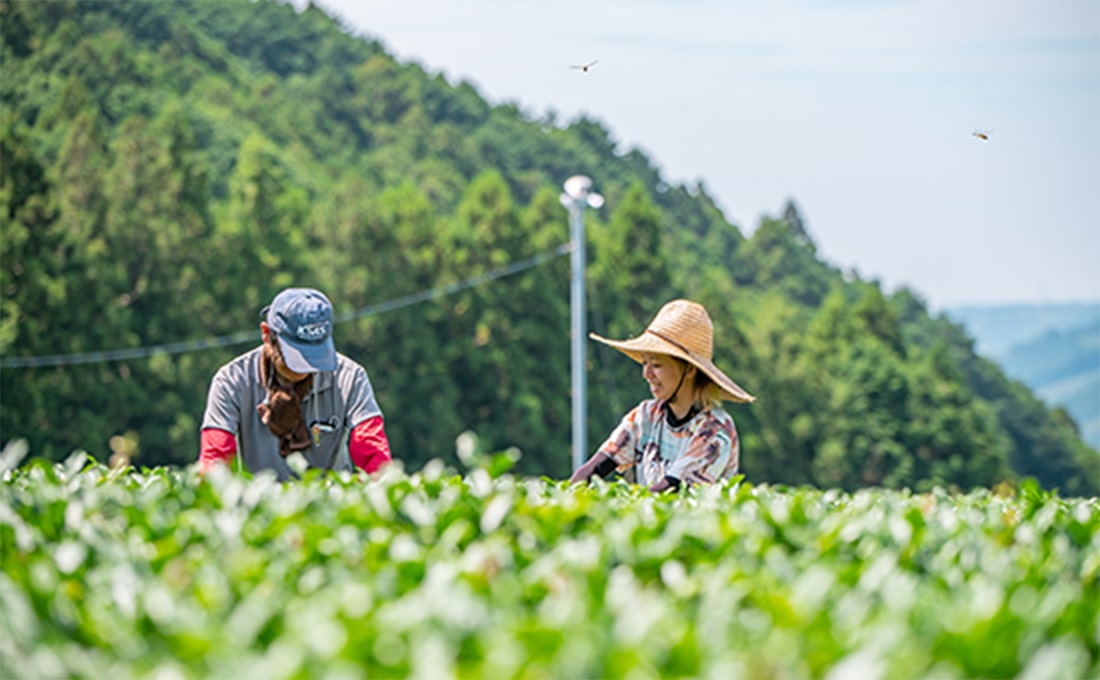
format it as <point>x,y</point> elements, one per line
<point>294,393</point>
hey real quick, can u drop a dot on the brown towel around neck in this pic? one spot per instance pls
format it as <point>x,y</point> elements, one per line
<point>281,411</point>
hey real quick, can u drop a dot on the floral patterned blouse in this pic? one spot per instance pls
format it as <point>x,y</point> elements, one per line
<point>703,450</point>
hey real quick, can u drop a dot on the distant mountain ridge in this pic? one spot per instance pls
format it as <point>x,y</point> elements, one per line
<point>1053,349</point>
<point>999,328</point>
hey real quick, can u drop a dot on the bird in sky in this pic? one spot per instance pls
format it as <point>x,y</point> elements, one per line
<point>584,67</point>
<point>982,134</point>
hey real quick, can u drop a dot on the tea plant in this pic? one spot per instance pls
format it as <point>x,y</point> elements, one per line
<point>163,573</point>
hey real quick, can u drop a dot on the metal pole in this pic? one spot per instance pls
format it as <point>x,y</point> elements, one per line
<point>578,196</point>
<point>577,314</point>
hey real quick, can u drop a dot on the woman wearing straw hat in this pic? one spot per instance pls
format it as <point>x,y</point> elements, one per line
<point>681,435</point>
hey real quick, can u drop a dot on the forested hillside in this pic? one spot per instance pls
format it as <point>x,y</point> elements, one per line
<point>168,167</point>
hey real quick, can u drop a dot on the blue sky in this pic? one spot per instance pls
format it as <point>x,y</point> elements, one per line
<point>861,112</point>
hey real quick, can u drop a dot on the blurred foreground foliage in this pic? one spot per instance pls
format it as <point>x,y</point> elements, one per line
<point>123,572</point>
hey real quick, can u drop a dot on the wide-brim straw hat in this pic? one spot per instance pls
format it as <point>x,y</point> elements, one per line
<point>682,329</point>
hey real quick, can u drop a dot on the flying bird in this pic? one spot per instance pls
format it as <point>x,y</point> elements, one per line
<point>584,68</point>
<point>982,134</point>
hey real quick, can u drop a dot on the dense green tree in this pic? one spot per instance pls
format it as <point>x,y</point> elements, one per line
<point>32,282</point>
<point>952,437</point>
<point>629,262</point>
<point>540,424</point>
<point>780,254</point>
<point>895,423</point>
<point>862,441</point>
<point>761,344</point>
<point>32,276</point>
<point>483,236</point>
<point>387,250</point>
<point>703,248</point>
<point>628,282</point>
<point>264,225</point>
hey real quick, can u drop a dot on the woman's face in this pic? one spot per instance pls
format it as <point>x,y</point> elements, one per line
<point>663,373</point>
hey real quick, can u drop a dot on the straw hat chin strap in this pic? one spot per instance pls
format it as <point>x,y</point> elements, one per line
<point>687,366</point>
<point>683,374</point>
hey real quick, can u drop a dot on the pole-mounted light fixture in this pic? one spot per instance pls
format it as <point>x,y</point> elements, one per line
<point>578,196</point>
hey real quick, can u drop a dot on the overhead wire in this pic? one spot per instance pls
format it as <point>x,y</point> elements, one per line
<point>189,346</point>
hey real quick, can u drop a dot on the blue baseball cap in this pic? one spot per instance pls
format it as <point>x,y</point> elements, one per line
<point>302,319</point>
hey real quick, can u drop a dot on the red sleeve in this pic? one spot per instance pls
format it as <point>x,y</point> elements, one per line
<point>217,446</point>
<point>368,446</point>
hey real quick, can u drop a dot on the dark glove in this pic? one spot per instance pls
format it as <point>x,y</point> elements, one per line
<point>599,464</point>
<point>666,484</point>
